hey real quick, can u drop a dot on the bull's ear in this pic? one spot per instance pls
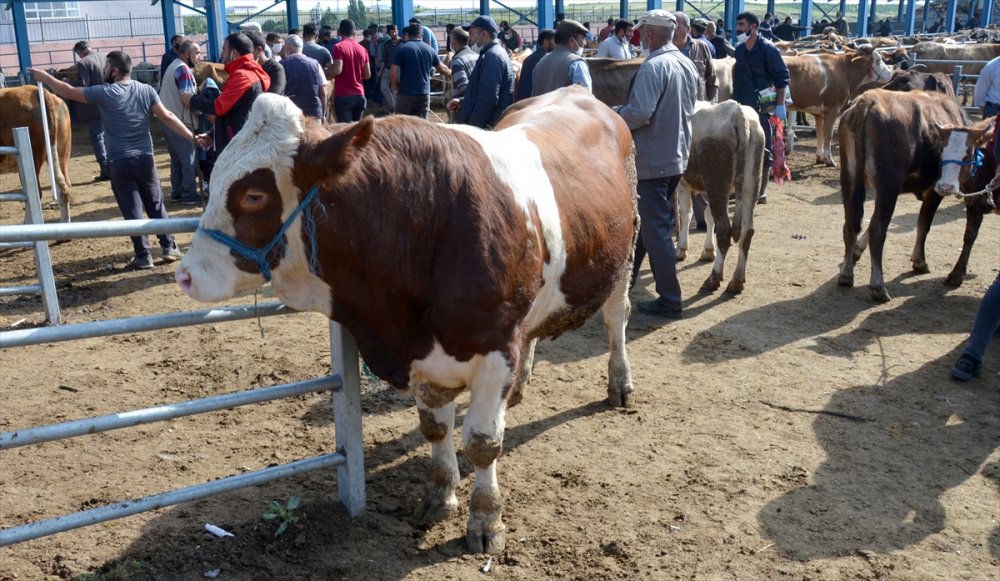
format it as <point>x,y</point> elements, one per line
<point>334,154</point>
<point>982,132</point>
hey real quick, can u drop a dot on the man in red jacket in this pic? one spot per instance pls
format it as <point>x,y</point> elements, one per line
<point>231,107</point>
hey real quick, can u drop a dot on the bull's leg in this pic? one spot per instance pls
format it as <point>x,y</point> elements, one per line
<point>852,188</point>
<point>821,136</point>
<point>437,421</point>
<point>482,436</point>
<point>723,237</point>
<point>685,207</point>
<point>876,239</point>
<point>708,251</point>
<point>616,312</point>
<point>861,244</point>
<point>523,373</point>
<point>928,208</point>
<point>746,235</point>
<point>973,219</point>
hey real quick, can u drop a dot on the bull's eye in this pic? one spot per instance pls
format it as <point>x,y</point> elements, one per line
<point>254,200</point>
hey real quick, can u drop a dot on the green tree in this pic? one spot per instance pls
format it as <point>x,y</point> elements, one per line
<point>357,12</point>
<point>195,24</point>
<point>328,19</point>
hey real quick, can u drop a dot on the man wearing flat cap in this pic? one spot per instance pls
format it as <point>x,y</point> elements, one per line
<point>491,84</point>
<point>564,66</point>
<point>659,110</point>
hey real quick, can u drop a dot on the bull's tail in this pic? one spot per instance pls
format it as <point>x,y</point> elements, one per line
<point>853,133</point>
<point>60,132</point>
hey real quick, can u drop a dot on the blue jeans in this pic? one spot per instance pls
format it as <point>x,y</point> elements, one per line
<point>349,108</point>
<point>183,184</point>
<point>136,187</point>
<point>96,130</point>
<point>656,211</point>
<point>987,321</point>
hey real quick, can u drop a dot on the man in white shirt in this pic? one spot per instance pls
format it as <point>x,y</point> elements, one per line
<point>987,95</point>
<point>616,45</point>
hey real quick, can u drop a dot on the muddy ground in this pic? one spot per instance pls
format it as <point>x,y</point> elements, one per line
<point>796,431</point>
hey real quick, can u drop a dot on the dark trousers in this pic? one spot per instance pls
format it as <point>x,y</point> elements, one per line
<point>765,123</point>
<point>656,211</point>
<point>96,130</point>
<point>416,105</point>
<point>136,187</point>
<point>183,176</point>
<point>349,108</point>
<point>987,321</point>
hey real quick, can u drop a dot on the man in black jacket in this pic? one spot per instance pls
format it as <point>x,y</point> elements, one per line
<point>270,65</point>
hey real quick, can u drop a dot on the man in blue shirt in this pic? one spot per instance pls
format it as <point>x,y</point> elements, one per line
<point>410,73</point>
<point>760,79</point>
<point>426,34</point>
<point>491,84</point>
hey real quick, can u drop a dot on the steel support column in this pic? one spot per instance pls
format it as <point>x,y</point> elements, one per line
<point>900,11</point>
<point>545,14</point>
<point>987,14</point>
<point>770,7</point>
<point>21,37</point>
<point>927,9</point>
<point>292,10</point>
<point>169,25</point>
<point>402,12</point>
<point>733,9</point>
<point>654,4</point>
<point>806,16</point>
<point>949,15</point>
<point>560,7</point>
<point>484,7</point>
<point>679,5</point>
<point>862,17</point>
<point>623,9</point>
<point>910,20</point>
<point>873,17</point>
<point>218,28</point>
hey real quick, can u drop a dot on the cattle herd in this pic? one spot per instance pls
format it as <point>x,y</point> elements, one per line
<point>447,277</point>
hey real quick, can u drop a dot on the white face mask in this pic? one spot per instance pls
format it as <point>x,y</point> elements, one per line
<point>475,48</point>
<point>742,37</point>
<point>579,48</point>
<point>276,48</point>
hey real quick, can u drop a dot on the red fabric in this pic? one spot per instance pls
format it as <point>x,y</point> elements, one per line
<point>243,73</point>
<point>605,32</point>
<point>779,170</point>
<point>349,82</point>
<point>635,37</point>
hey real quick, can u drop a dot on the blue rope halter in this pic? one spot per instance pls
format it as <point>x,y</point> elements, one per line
<point>976,162</point>
<point>259,255</point>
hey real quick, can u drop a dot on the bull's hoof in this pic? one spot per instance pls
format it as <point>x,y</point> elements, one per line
<point>432,510</point>
<point>682,254</point>
<point>845,280</point>
<point>516,395</point>
<point>712,283</point>
<point>486,534</point>
<point>830,162</point>
<point>954,279</point>
<point>921,267</point>
<point>879,294</point>
<point>623,397</point>
<point>735,287</point>
<point>707,256</point>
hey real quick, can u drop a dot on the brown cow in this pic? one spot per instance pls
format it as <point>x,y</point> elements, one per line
<point>727,155</point>
<point>910,80</point>
<point>612,78</point>
<point>955,52</point>
<point>822,83</point>
<point>444,249</point>
<point>21,108</point>
<point>209,70</point>
<point>890,143</point>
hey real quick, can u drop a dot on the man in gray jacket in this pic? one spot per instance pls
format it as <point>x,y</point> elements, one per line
<point>659,110</point>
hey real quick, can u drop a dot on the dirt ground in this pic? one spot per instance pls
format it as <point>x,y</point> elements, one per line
<point>796,431</point>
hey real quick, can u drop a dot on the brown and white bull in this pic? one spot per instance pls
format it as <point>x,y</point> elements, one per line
<point>445,250</point>
<point>19,107</point>
<point>821,85</point>
<point>891,143</point>
<point>727,153</point>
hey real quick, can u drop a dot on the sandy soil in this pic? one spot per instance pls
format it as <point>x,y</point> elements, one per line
<point>797,431</point>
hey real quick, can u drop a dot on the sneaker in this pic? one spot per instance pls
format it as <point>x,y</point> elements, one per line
<point>144,262</point>
<point>190,201</point>
<point>657,309</point>
<point>172,253</point>
<point>966,368</point>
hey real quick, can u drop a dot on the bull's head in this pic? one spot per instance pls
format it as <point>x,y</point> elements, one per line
<point>960,156</point>
<point>262,193</point>
<point>877,69</point>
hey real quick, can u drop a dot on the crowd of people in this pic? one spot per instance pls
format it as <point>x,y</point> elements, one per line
<point>394,71</point>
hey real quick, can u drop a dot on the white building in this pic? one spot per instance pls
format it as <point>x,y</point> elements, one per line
<point>73,21</point>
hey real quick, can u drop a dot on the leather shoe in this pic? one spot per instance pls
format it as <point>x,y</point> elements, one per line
<point>657,309</point>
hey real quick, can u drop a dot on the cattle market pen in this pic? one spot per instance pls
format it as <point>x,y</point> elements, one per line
<point>343,382</point>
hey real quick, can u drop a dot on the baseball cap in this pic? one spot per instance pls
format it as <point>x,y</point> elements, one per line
<point>485,22</point>
<point>699,24</point>
<point>661,18</point>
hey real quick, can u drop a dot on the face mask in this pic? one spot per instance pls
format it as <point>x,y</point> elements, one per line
<point>475,47</point>
<point>742,37</point>
<point>579,48</point>
<point>276,48</point>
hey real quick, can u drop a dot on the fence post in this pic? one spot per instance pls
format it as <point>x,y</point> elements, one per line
<point>347,419</point>
<point>131,31</point>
